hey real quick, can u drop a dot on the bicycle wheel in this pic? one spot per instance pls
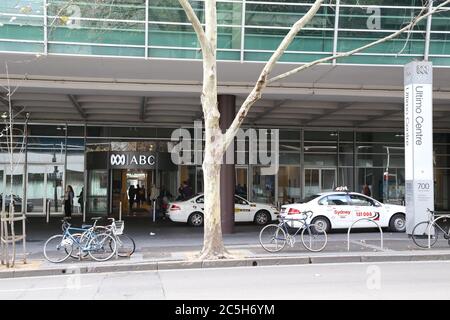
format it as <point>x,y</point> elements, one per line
<point>57,248</point>
<point>420,235</point>
<point>314,238</point>
<point>102,247</point>
<point>125,245</point>
<point>75,254</point>
<point>272,238</point>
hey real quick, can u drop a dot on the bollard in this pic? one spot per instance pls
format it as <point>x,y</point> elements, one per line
<point>47,215</point>
<point>84,212</point>
<point>154,210</point>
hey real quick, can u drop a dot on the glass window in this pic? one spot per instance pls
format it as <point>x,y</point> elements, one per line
<point>98,192</point>
<point>289,184</point>
<point>335,200</point>
<point>263,189</point>
<point>200,200</point>
<point>241,188</point>
<point>358,200</point>
<point>238,200</point>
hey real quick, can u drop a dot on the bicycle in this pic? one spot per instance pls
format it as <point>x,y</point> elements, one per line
<point>84,236</point>
<point>423,229</point>
<point>274,237</point>
<point>99,246</point>
<point>125,244</point>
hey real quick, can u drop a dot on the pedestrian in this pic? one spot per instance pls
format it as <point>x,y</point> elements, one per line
<point>366,190</point>
<point>137,195</point>
<point>187,190</point>
<point>163,200</point>
<point>81,200</point>
<point>180,196</point>
<point>131,196</point>
<point>68,201</point>
<point>142,195</point>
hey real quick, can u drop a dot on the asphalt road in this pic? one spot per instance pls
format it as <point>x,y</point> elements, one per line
<point>405,280</point>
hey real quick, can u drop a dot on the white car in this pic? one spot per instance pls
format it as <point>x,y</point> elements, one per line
<point>338,210</point>
<point>191,211</point>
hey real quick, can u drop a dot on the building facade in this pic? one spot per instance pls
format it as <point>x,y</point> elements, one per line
<point>104,78</point>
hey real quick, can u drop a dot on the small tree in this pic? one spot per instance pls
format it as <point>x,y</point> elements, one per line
<point>9,218</point>
<point>216,142</point>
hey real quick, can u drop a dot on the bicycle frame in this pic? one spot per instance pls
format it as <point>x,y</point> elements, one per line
<point>285,226</point>
<point>88,232</point>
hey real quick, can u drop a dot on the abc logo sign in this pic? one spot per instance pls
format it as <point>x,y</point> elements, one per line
<point>132,160</point>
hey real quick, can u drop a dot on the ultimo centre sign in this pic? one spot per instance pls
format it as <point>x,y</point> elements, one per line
<point>419,181</point>
<point>132,160</point>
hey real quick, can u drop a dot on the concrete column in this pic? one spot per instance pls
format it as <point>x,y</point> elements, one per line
<point>227,108</point>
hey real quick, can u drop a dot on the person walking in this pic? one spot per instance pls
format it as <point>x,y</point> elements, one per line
<point>142,196</point>
<point>131,196</point>
<point>81,200</point>
<point>68,201</point>
<point>187,190</point>
<point>137,195</point>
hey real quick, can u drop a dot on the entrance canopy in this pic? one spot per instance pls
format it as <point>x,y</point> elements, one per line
<point>167,92</point>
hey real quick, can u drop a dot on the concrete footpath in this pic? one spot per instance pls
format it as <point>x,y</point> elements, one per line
<point>165,245</point>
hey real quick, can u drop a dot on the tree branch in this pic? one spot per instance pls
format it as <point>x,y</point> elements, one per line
<point>352,52</point>
<point>256,93</point>
<point>196,24</point>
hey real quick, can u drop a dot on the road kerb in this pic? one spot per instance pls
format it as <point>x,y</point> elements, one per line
<point>225,263</point>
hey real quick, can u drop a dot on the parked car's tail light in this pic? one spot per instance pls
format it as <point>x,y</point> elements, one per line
<point>174,207</point>
<point>293,211</point>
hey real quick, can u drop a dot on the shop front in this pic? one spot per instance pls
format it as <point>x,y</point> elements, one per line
<point>127,182</point>
<point>103,164</point>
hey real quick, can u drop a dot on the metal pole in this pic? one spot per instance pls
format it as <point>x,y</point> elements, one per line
<point>1,239</point>
<point>146,29</point>
<point>243,31</point>
<point>428,32</point>
<point>336,30</point>
<point>154,210</point>
<point>45,28</point>
<point>24,234</point>
<point>120,211</point>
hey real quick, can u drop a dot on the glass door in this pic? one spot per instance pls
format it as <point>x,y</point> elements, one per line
<point>312,181</point>
<point>36,184</point>
<point>242,182</point>
<point>199,180</point>
<point>16,188</point>
<point>319,180</point>
<point>327,180</point>
<point>97,197</point>
<point>55,188</point>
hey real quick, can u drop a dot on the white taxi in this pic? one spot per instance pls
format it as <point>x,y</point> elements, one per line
<point>338,210</point>
<point>191,211</point>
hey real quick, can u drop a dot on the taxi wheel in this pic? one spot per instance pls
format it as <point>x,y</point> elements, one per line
<point>196,219</point>
<point>322,223</point>
<point>397,223</point>
<point>262,218</point>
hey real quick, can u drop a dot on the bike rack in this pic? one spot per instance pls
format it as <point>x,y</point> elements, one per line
<point>362,219</point>
<point>431,224</point>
